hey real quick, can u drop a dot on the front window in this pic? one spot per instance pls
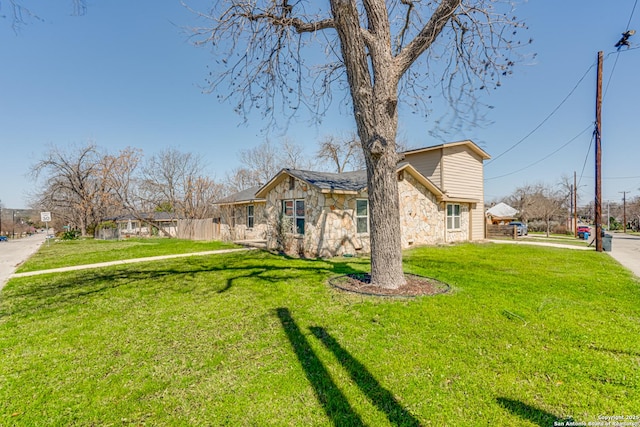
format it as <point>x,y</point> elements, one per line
<point>250,216</point>
<point>362,216</point>
<point>453,217</point>
<point>293,210</point>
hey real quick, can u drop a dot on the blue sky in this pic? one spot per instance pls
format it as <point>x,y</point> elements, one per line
<point>125,75</point>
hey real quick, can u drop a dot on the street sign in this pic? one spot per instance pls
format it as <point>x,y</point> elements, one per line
<point>45,216</point>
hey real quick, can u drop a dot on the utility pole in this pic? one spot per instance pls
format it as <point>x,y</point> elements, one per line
<point>624,210</point>
<point>575,206</point>
<point>598,200</point>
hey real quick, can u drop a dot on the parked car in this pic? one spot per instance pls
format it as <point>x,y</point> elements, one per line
<point>3,238</point>
<point>582,229</point>
<point>521,228</point>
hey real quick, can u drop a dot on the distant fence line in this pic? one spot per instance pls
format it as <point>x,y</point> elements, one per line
<point>198,229</point>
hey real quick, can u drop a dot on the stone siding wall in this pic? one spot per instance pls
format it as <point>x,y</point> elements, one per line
<point>421,218</point>
<point>234,222</point>
<point>330,228</point>
<point>330,225</point>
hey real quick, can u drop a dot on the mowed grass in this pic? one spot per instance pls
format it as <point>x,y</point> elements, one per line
<point>64,253</point>
<point>528,336</point>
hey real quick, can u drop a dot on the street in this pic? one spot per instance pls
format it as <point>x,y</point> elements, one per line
<point>15,252</point>
<point>625,249</point>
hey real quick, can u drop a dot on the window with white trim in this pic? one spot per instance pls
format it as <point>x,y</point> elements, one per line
<point>362,215</point>
<point>453,217</point>
<point>294,211</point>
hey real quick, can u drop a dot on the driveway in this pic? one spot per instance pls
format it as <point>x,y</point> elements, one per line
<point>625,249</point>
<point>15,252</point>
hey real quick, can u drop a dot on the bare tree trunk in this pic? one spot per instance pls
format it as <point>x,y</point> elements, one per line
<point>386,265</point>
<point>375,100</point>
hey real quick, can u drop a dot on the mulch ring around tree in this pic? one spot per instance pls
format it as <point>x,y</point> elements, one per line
<point>360,283</point>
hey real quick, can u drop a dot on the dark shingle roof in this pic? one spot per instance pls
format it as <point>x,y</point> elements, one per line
<point>247,195</point>
<point>346,181</point>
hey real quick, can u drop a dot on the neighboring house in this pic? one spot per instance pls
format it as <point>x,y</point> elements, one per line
<point>327,214</point>
<point>242,216</point>
<point>501,214</point>
<point>147,224</point>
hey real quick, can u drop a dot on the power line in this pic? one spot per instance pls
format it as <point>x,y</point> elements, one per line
<point>545,119</point>
<point>616,177</point>
<point>618,56</point>
<point>593,135</point>
<point>544,158</point>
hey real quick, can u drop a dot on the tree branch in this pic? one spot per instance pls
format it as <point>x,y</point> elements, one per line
<point>427,35</point>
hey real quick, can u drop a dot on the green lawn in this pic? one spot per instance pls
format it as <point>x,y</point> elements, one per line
<point>528,336</point>
<point>65,253</point>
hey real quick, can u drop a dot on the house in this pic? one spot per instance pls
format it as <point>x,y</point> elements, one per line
<point>242,216</point>
<point>145,224</point>
<point>501,214</point>
<point>326,214</point>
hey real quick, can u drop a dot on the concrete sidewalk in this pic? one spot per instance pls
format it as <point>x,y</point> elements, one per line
<point>125,261</point>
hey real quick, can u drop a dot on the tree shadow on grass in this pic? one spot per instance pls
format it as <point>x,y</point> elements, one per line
<point>530,413</point>
<point>58,290</point>
<point>382,398</point>
<point>333,401</point>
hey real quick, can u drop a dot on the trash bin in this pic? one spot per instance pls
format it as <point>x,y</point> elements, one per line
<point>586,236</point>
<point>606,242</point>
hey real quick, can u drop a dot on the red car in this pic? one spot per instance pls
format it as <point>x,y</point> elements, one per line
<point>583,229</point>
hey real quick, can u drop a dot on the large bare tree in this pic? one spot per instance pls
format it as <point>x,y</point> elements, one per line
<point>174,181</point>
<point>377,50</point>
<point>73,185</point>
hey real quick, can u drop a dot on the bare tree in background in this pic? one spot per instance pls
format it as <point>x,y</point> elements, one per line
<point>377,49</point>
<point>633,211</point>
<point>122,171</point>
<point>342,153</point>
<point>522,200</point>
<point>174,182</point>
<point>263,162</point>
<point>73,187</point>
<point>541,202</point>
<point>292,156</point>
<point>548,204</point>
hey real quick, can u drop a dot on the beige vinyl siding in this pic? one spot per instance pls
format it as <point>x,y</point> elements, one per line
<point>463,177</point>
<point>428,164</point>
<point>477,222</point>
<point>462,170</point>
<point>462,173</point>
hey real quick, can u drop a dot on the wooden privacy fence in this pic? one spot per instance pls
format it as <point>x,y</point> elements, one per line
<point>198,229</point>
<point>501,231</point>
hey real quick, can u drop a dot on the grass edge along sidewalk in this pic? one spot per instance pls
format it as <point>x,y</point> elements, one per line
<point>125,261</point>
